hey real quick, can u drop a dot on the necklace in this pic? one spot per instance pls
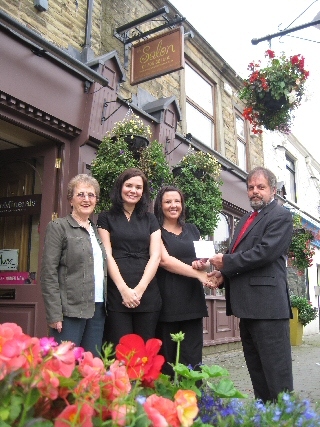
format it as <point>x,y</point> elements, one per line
<point>127,214</point>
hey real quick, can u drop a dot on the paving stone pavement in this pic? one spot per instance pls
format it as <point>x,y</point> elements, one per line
<point>305,364</point>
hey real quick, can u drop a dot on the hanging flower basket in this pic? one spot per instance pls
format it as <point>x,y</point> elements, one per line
<point>126,146</point>
<point>136,143</point>
<point>272,93</point>
<point>273,104</point>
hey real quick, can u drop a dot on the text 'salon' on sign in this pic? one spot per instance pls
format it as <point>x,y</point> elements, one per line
<point>157,56</point>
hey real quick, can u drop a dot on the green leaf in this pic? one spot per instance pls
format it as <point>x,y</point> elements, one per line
<point>225,388</point>
<point>214,371</point>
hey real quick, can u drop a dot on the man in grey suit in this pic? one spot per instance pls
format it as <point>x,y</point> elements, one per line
<point>254,274</point>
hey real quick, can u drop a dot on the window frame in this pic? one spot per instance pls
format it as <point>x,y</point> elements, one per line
<point>293,173</point>
<point>193,104</point>
<point>242,139</point>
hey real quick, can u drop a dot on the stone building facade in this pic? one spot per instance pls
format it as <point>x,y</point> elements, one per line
<point>65,81</point>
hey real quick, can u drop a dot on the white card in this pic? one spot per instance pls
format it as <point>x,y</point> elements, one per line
<point>204,248</point>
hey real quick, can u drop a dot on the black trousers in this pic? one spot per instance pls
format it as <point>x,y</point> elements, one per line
<point>190,348</point>
<point>267,350</point>
<point>118,324</point>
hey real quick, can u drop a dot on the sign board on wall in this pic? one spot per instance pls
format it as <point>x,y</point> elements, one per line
<point>17,278</point>
<point>20,205</point>
<point>157,56</point>
<point>9,259</point>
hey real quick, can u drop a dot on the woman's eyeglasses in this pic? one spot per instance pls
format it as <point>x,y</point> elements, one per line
<point>84,195</point>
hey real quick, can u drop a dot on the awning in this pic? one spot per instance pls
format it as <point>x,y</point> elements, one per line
<point>313,228</point>
<point>234,190</point>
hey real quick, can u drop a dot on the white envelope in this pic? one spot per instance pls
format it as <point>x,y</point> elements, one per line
<point>204,248</point>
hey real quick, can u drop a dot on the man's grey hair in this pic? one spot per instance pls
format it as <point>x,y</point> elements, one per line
<point>269,176</point>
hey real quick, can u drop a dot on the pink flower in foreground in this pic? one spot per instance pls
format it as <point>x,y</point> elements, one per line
<point>89,365</point>
<point>161,411</point>
<point>186,404</point>
<point>119,414</point>
<point>48,384</point>
<point>76,416</point>
<point>117,381</point>
<point>78,353</point>
<point>89,387</point>
<point>46,343</point>
<point>63,360</point>
<point>14,346</point>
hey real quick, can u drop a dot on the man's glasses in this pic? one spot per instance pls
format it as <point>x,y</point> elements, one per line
<point>84,195</point>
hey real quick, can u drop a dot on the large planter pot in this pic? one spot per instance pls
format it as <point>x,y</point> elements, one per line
<point>296,328</point>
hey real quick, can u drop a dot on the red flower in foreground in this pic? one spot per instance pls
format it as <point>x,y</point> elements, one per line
<point>142,359</point>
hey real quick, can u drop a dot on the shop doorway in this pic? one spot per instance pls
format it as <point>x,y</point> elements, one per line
<point>20,212</point>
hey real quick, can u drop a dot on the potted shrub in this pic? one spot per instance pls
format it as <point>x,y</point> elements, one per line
<point>303,314</point>
<point>197,175</point>
<point>301,252</point>
<point>273,92</point>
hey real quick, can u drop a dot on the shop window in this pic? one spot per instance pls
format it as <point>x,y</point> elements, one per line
<point>221,236</point>
<point>199,107</point>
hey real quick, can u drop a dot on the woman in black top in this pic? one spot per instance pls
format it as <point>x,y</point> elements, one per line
<point>132,239</point>
<point>183,299</point>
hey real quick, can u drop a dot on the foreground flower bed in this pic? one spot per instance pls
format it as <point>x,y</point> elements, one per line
<point>43,384</point>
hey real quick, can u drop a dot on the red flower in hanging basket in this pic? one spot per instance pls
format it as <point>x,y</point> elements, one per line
<point>273,92</point>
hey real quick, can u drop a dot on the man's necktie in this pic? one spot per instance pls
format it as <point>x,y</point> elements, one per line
<point>244,227</point>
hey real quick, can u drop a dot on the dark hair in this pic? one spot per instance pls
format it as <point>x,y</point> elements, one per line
<point>85,179</point>
<point>117,203</point>
<point>158,204</point>
<point>269,176</point>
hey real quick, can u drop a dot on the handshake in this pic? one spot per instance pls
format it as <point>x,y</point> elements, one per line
<point>211,279</point>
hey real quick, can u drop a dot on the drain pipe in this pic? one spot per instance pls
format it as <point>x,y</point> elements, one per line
<point>87,53</point>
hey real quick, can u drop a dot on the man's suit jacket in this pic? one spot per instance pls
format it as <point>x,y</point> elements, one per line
<point>256,274</point>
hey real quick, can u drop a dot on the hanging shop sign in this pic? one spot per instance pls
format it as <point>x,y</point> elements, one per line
<point>20,205</point>
<point>157,56</point>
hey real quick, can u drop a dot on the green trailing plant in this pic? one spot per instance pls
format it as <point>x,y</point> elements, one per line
<point>197,175</point>
<point>306,312</point>
<point>273,92</point>
<point>301,252</point>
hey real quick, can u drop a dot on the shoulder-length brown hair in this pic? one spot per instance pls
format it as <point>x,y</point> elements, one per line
<point>116,199</point>
<point>158,204</point>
